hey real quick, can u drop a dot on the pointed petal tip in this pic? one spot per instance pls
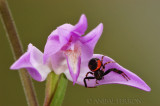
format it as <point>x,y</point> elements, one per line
<point>83,19</point>
<point>12,67</point>
<point>74,82</point>
<point>81,26</point>
<point>100,26</point>
<point>98,29</point>
<point>144,87</point>
<point>30,46</point>
<point>15,66</point>
<point>148,89</point>
<point>74,78</point>
<point>83,16</point>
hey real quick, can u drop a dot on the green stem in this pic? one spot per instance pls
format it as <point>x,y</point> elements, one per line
<point>17,51</point>
<point>51,85</point>
<point>60,91</point>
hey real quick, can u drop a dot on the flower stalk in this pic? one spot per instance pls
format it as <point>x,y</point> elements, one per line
<point>51,85</point>
<point>17,51</point>
<point>60,91</point>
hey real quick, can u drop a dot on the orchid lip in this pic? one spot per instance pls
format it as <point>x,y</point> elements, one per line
<point>111,77</point>
<point>73,57</point>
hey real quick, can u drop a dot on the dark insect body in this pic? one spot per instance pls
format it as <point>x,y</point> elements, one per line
<point>98,70</point>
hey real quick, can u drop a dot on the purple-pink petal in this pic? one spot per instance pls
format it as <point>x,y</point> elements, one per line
<point>92,37</point>
<point>64,32</point>
<point>89,41</point>
<point>52,46</point>
<point>112,77</point>
<point>81,26</point>
<point>32,60</point>
<point>87,52</point>
<point>58,62</point>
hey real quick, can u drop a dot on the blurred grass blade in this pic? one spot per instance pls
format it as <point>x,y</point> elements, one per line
<point>60,91</point>
<point>17,51</point>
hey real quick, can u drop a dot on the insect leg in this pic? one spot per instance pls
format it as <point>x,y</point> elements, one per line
<point>89,73</point>
<point>117,71</point>
<point>103,65</point>
<point>109,62</point>
<point>85,80</point>
<point>102,59</point>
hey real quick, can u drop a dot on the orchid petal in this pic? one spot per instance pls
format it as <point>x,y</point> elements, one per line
<point>92,37</point>
<point>89,41</point>
<point>22,62</point>
<point>59,63</point>
<point>32,60</point>
<point>64,33</point>
<point>81,26</point>
<point>52,46</point>
<point>112,77</point>
<point>56,40</point>
<point>87,52</point>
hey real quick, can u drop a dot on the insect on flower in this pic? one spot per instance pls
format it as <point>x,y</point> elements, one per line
<point>98,70</point>
<point>102,70</point>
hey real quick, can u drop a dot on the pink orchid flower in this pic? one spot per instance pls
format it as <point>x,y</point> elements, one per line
<point>67,51</point>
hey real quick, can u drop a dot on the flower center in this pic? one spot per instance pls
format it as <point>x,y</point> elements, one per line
<point>73,54</point>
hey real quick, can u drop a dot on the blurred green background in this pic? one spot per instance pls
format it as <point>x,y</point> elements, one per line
<point>131,36</point>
